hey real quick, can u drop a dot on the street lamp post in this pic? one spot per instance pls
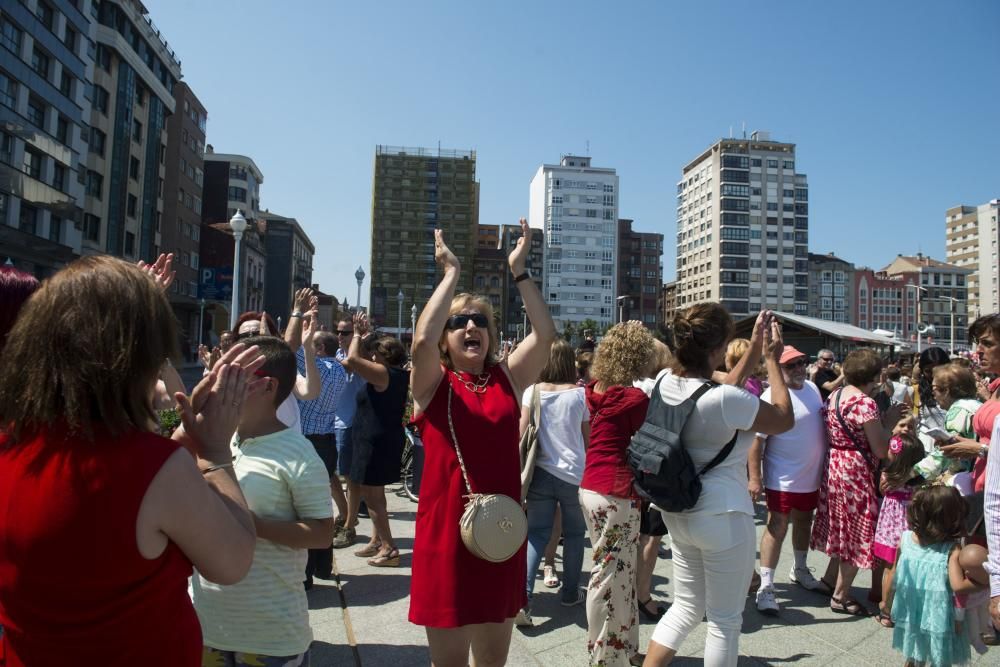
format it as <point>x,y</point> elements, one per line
<point>951,336</point>
<point>201,320</point>
<point>413,321</point>
<point>621,308</point>
<point>359,275</point>
<point>399,314</point>
<point>239,225</point>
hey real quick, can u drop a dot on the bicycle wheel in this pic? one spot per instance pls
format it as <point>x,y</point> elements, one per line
<point>410,473</point>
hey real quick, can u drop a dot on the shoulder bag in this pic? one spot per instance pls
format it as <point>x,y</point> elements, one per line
<point>493,525</point>
<point>866,452</point>
<point>529,443</point>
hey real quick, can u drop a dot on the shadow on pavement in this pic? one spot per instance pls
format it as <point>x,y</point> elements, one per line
<point>385,655</point>
<point>372,589</point>
<point>322,654</point>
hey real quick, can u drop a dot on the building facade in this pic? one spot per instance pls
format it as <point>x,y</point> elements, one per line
<point>289,253</point>
<point>971,237</point>
<point>232,183</point>
<point>668,302</point>
<point>830,288</point>
<point>943,301</point>
<point>134,72</point>
<point>44,62</point>
<point>180,225</point>
<point>418,190</point>
<point>640,274</point>
<point>885,301</point>
<point>512,322</point>
<point>575,205</point>
<point>743,228</point>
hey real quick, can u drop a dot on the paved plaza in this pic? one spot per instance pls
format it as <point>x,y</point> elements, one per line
<point>360,619</point>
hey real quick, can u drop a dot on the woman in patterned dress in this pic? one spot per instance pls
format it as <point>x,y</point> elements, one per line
<point>845,522</point>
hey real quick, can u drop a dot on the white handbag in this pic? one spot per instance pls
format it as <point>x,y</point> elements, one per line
<point>493,525</point>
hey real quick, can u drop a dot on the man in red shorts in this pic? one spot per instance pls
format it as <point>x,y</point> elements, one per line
<point>792,469</point>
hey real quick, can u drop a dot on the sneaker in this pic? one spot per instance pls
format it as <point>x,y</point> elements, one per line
<point>804,578</point>
<point>523,618</point>
<point>549,577</point>
<point>345,538</point>
<point>766,604</point>
<point>581,597</point>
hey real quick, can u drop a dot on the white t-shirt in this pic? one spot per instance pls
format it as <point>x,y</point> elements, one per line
<point>560,438</point>
<point>901,391</point>
<point>793,460</point>
<point>720,411</point>
<point>282,478</point>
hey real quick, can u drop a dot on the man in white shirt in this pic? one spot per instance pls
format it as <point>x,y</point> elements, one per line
<point>792,469</point>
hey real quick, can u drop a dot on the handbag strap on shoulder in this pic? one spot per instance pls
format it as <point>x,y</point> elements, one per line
<point>536,406</point>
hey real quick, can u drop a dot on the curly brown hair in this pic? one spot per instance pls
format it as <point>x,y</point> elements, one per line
<point>937,514</point>
<point>623,354</point>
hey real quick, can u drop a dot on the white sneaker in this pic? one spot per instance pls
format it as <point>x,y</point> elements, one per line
<point>766,604</point>
<point>804,578</point>
<point>523,618</point>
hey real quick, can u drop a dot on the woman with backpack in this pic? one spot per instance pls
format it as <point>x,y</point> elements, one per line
<point>714,542</point>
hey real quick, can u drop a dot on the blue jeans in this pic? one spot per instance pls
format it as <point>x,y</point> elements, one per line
<point>344,450</point>
<point>545,491</point>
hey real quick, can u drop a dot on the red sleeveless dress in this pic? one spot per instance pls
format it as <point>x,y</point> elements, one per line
<point>449,586</point>
<point>74,589</point>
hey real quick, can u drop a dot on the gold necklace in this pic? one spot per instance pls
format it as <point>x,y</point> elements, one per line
<point>477,387</point>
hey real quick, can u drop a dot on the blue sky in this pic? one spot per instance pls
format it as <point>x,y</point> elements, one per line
<point>893,105</point>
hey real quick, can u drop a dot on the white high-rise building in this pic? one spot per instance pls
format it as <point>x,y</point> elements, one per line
<point>577,207</point>
<point>971,237</point>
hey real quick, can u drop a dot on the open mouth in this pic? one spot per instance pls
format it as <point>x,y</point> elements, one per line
<point>472,345</point>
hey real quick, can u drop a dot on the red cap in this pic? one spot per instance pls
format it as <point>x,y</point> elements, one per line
<point>790,353</point>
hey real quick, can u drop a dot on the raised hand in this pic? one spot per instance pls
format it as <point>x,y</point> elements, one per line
<point>444,257</point>
<point>518,258</point>
<point>361,326</point>
<point>309,330</point>
<point>303,298</point>
<point>205,356</point>
<point>160,271</point>
<point>774,344</point>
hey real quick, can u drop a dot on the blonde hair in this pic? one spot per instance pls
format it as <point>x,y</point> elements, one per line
<point>483,306</point>
<point>660,359</point>
<point>623,355</point>
<point>735,350</point>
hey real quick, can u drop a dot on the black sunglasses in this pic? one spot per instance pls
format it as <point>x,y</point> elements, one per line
<point>460,321</point>
<point>345,333</point>
<point>796,364</point>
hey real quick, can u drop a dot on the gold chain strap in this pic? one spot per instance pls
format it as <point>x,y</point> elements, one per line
<point>454,438</point>
<point>477,387</point>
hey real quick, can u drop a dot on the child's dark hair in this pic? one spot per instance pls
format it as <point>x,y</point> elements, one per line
<point>900,468</point>
<point>937,514</point>
<point>280,364</point>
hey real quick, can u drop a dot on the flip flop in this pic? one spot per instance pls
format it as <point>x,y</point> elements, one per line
<point>849,607</point>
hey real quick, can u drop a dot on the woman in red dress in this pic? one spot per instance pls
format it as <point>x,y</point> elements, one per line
<point>844,528</point>
<point>463,601</point>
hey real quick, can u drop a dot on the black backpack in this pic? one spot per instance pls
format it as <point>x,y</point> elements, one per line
<point>664,472</point>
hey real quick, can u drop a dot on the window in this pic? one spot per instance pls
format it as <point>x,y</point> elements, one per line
<point>55,228</point>
<point>132,205</point>
<point>133,168</point>
<point>772,164</point>
<point>10,35</point>
<point>62,130</point>
<point>101,98</point>
<point>8,91</point>
<point>28,221</point>
<point>66,84</point>
<point>755,162</point>
<point>59,177</point>
<point>36,112</point>
<point>140,96</point>
<point>6,150</point>
<point>103,58</point>
<point>129,243</point>
<point>69,38</point>
<point>136,131</point>
<point>45,15</point>
<point>95,183</point>
<point>33,163</point>
<point>97,141</point>
<point>789,164</point>
<point>91,227</point>
<point>237,194</point>
<point>40,62</point>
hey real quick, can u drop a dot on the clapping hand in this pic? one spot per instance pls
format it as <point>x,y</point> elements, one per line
<point>518,258</point>
<point>160,271</point>
<point>774,344</point>
<point>304,298</point>
<point>444,257</point>
<point>361,325</point>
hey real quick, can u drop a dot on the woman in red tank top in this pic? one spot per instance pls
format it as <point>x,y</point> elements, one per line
<point>463,601</point>
<point>83,472</point>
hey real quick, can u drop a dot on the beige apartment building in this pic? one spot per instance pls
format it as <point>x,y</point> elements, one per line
<point>971,236</point>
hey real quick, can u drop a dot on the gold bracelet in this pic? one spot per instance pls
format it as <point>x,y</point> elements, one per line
<point>205,471</point>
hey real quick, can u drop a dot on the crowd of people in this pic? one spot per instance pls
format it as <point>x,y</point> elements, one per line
<point>201,542</point>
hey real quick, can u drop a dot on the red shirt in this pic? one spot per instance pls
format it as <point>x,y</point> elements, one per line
<point>982,423</point>
<point>74,589</point>
<point>615,416</point>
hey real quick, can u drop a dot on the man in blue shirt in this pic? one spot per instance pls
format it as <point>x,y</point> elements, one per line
<point>347,403</point>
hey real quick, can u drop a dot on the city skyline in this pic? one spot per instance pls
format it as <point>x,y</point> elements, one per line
<point>893,130</point>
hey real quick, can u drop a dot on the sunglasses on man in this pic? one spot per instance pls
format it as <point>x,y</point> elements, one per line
<point>795,364</point>
<point>461,320</point>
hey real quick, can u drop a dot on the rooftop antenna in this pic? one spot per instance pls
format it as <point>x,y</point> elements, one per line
<point>588,148</point>
<point>744,129</point>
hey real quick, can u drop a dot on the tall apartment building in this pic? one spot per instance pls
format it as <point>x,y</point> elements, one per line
<point>971,236</point>
<point>180,226</point>
<point>232,182</point>
<point>668,302</point>
<point>943,296</point>
<point>418,190</point>
<point>289,254</point>
<point>488,266</point>
<point>512,320</point>
<point>134,73</point>
<point>44,58</point>
<point>830,288</point>
<point>885,301</point>
<point>743,228</point>
<point>576,206</point>
<point>640,274</point>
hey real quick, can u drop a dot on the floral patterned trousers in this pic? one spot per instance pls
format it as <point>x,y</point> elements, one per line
<point>612,616</point>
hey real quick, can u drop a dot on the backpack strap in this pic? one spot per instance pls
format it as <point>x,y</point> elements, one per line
<point>725,451</point>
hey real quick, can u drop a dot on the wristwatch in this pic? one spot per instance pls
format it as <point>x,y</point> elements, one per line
<point>984,451</point>
<point>296,313</point>
<point>524,276</point>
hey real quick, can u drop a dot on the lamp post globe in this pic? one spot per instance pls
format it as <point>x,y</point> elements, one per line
<point>239,225</point>
<point>359,275</point>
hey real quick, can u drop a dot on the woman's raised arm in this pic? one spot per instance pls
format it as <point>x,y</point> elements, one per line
<point>426,370</point>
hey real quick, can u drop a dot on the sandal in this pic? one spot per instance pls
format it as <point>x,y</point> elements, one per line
<point>850,607</point>
<point>386,559</point>
<point>884,619</point>
<point>369,550</point>
<point>549,576</point>
<point>647,614</point>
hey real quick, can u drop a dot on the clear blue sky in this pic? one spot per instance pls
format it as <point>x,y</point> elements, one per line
<point>894,105</point>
